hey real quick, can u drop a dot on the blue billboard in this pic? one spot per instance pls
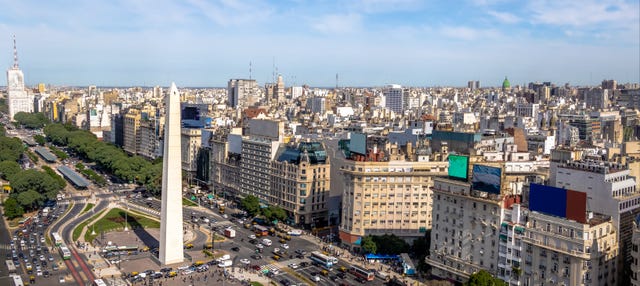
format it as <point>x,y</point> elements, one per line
<point>486,178</point>
<point>548,200</point>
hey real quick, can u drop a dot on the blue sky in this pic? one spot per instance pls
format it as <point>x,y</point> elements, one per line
<point>368,43</point>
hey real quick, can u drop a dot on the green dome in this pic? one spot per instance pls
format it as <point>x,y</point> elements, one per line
<point>505,83</point>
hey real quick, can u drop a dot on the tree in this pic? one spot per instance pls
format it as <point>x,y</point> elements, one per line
<point>391,244</point>
<point>368,245</point>
<point>251,204</point>
<point>31,120</point>
<point>30,199</point>
<point>484,278</point>
<point>274,213</point>
<point>12,209</point>
<point>40,139</point>
<point>8,169</point>
<point>11,148</point>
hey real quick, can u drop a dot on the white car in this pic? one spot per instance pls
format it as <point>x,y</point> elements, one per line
<point>187,272</point>
<point>294,265</point>
<point>253,236</point>
<point>245,261</point>
<point>285,246</point>
<point>259,245</point>
<point>61,279</point>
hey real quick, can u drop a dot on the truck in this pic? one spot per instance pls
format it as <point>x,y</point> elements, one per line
<point>230,232</point>
<point>45,211</point>
<point>221,208</point>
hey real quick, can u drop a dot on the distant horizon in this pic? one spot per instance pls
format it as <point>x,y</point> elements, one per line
<point>364,42</point>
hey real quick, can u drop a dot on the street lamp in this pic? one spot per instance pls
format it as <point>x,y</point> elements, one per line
<point>93,225</point>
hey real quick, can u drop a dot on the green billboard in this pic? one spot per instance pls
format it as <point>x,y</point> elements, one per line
<point>458,166</point>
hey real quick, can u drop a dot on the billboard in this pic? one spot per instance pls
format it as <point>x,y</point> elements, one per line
<point>577,206</point>
<point>548,200</point>
<point>487,179</point>
<point>458,166</point>
<point>358,143</point>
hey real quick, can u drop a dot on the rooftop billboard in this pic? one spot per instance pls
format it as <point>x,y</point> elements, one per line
<point>487,179</point>
<point>458,166</point>
<point>358,143</point>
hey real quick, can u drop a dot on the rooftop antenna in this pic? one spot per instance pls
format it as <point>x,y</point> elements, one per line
<point>273,70</point>
<point>249,70</point>
<point>336,80</point>
<point>15,53</point>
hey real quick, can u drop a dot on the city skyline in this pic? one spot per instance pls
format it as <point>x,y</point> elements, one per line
<point>414,43</point>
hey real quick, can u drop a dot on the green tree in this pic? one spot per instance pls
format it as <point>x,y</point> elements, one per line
<point>11,148</point>
<point>33,180</point>
<point>40,139</point>
<point>368,245</point>
<point>8,169</point>
<point>251,204</point>
<point>30,199</point>
<point>31,120</point>
<point>391,244</point>
<point>484,278</point>
<point>12,209</point>
<point>274,213</point>
<point>3,131</point>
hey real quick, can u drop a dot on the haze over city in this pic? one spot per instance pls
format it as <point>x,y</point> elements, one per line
<point>368,43</point>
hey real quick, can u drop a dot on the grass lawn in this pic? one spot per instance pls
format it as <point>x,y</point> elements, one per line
<point>78,230</point>
<point>255,283</point>
<point>87,208</point>
<point>188,203</point>
<point>115,219</point>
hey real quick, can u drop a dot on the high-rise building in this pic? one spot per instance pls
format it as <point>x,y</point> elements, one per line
<point>386,191</point>
<point>280,89</point>
<point>609,84</point>
<point>473,84</point>
<point>190,142</point>
<point>242,92</point>
<point>131,124</point>
<point>635,255</point>
<point>18,99</point>
<point>394,98</point>
<point>258,150</point>
<point>300,181</point>
<point>611,191</point>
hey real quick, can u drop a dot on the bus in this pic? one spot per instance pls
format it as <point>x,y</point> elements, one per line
<point>57,239</point>
<point>64,252</point>
<point>98,282</point>
<point>323,260</point>
<point>10,266</point>
<point>260,230</point>
<point>362,273</point>
<point>17,280</point>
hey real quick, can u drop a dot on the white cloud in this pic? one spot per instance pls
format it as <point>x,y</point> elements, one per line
<point>468,33</point>
<point>229,12</point>
<point>584,13</point>
<point>504,17</point>
<point>338,23</point>
<point>380,6</point>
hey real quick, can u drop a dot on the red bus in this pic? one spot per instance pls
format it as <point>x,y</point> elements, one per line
<point>362,273</point>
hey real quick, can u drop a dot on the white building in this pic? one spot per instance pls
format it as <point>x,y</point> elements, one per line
<point>394,98</point>
<point>610,190</point>
<point>18,99</point>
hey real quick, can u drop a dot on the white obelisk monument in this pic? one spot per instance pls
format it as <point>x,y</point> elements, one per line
<point>171,232</point>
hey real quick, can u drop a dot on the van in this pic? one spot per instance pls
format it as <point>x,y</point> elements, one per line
<point>266,242</point>
<point>224,257</point>
<point>225,263</point>
<point>382,275</point>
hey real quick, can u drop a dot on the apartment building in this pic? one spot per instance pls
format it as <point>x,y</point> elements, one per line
<point>224,166</point>
<point>300,182</point>
<point>191,140</point>
<point>610,190</point>
<point>465,230</point>
<point>635,254</point>
<point>558,251</point>
<point>131,124</point>
<point>387,191</point>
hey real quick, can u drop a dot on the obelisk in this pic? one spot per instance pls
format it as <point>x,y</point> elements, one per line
<point>171,232</point>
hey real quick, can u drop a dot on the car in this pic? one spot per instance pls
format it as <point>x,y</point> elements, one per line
<point>245,261</point>
<point>166,269</point>
<point>61,279</point>
<point>259,245</point>
<point>235,248</point>
<point>294,265</point>
<point>253,241</point>
<point>285,282</point>
<point>285,246</point>
<point>187,272</point>
<point>301,252</point>
<point>39,273</point>
<point>45,274</point>
<point>315,278</point>
<point>256,256</point>
<point>361,280</point>
<point>54,267</point>
<point>42,258</point>
<point>252,236</point>
<point>342,275</point>
<point>50,257</point>
<point>205,220</point>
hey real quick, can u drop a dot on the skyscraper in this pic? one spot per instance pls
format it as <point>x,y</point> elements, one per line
<point>394,98</point>
<point>17,97</point>
<point>171,233</point>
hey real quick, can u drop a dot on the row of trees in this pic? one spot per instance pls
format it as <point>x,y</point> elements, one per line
<point>107,156</point>
<point>31,120</point>
<point>251,204</point>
